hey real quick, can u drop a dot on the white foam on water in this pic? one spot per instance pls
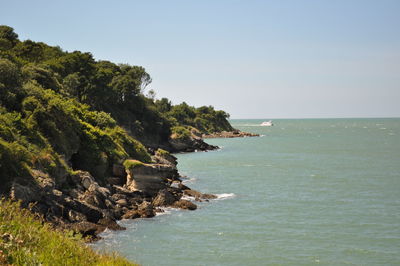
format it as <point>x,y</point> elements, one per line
<point>165,210</point>
<point>186,197</point>
<point>223,196</point>
<point>189,180</point>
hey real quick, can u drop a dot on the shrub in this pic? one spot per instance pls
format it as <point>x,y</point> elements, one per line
<point>181,133</point>
<point>26,240</point>
<point>131,164</point>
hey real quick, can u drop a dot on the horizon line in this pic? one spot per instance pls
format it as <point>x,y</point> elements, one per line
<point>354,117</point>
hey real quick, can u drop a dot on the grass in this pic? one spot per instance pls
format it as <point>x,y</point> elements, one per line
<point>161,152</point>
<point>26,240</point>
<point>130,164</point>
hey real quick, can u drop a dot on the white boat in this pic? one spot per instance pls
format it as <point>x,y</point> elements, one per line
<point>267,124</point>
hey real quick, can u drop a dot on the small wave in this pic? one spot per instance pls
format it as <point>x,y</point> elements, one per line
<point>188,180</point>
<point>165,210</point>
<point>223,196</point>
<point>383,128</point>
<point>186,197</point>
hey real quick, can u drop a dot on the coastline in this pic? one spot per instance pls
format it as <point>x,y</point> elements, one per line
<point>159,185</point>
<point>230,134</point>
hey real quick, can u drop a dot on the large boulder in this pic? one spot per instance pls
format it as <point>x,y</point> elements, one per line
<point>146,210</point>
<point>185,204</point>
<point>164,198</point>
<point>198,195</point>
<point>148,178</point>
<point>26,194</point>
<point>87,229</point>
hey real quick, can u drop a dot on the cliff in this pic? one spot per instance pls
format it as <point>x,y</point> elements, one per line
<point>80,143</point>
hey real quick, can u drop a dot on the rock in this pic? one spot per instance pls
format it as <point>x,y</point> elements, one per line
<point>87,229</point>
<point>74,216</point>
<point>92,213</point>
<point>86,180</point>
<point>230,134</point>
<point>164,198</point>
<point>111,224</point>
<point>118,196</point>
<point>183,187</point>
<point>57,192</point>
<point>197,195</point>
<point>146,210</point>
<point>132,214</point>
<point>105,192</point>
<point>122,202</point>
<point>116,181</point>
<point>149,178</point>
<point>124,191</point>
<point>75,193</point>
<point>164,157</point>
<point>118,170</point>
<point>26,194</point>
<point>95,200</point>
<point>208,196</point>
<point>185,204</point>
<point>190,145</point>
<point>93,187</point>
<point>109,204</point>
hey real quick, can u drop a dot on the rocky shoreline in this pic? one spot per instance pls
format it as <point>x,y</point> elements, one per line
<point>134,190</point>
<point>230,134</point>
<point>137,190</point>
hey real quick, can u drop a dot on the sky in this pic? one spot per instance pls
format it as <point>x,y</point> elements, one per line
<point>252,59</point>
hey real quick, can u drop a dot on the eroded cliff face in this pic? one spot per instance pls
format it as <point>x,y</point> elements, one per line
<point>80,203</point>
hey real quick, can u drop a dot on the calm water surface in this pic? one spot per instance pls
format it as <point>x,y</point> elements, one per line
<point>309,192</point>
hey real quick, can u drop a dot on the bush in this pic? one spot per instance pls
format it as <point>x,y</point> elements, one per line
<point>131,164</point>
<point>26,240</point>
<point>181,133</point>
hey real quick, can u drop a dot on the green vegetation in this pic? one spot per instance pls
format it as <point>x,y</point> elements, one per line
<point>130,164</point>
<point>161,152</point>
<point>205,118</point>
<point>64,111</point>
<point>25,240</point>
<point>62,108</point>
<point>180,132</point>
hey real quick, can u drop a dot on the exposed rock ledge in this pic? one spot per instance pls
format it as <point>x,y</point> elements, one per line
<point>136,190</point>
<point>230,134</point>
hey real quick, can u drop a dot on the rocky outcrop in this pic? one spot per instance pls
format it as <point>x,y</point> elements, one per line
<point>83,205</point>
<point>198,196</point>
<point>230,134</point>
<point>150,178</point>
<point>190,145</point>
<point>185,204</point>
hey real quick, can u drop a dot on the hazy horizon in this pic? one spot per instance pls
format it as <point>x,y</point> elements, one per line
<point>299,118</point>
<point>253,59</point>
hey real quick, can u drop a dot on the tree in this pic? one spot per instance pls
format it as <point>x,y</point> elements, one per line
<point>8,38</point>
<point>164,105</point>
<point>30,51</point>
<point>10,75</point>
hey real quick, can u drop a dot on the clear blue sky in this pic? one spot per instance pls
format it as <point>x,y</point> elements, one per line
<point>253,59</point>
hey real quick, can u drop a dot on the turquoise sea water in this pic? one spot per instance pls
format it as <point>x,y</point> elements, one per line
<point>309,192</point>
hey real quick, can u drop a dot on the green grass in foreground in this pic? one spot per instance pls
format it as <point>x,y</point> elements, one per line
<point>25,240</point>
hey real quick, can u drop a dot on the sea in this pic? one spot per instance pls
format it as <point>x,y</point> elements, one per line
<point>306,192</point>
